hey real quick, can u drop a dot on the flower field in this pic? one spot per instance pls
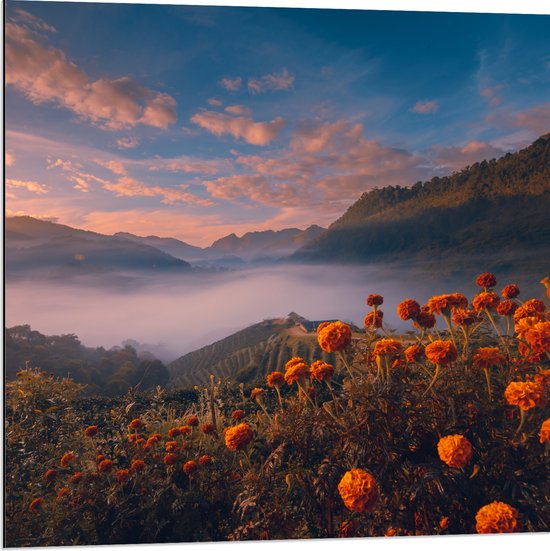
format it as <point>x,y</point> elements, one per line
<point>442,430</point>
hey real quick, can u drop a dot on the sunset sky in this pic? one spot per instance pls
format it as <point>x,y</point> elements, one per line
<point>195,122</point>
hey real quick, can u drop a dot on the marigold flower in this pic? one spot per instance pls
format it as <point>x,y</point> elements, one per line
<point>322,325</point>
<point>156,437</point>
<point>105,466</point>
<point>524,394</point>
<point>91,431</point>
<point>455,450</point>
<point>414,353</point>
<point>387,347</point>
<point>538,337</point>
<point>137,465</point>
<point>543,378</point>
<point>496,518</point>
<point>62,493</point>
<point>545,432</point>
<point>170,458</point>
<point>390,532</point>
<point>122,475</point>
<point>488,357</point>
<point>485,300</point>
<point>408,309</point>
<point>298,372</point>
<point>359,490</point>
<point>347,529</point>
<point>256,392</point>
<point>174,432</point>
<point>294,361</point>
<point>441,352</point>
<point>208,428</point>
<point>444,523</point>
<point>321,371</point>
<point>36,504</point>
<point>527,311</point>
<point>486,279</point>
<point>276,378</point>
<point>507,308</point>
<point>99,458</point>
<point>462,316</point>
<point>136,424</point>
<point>190,467</point>
<point>205,460</point>
<point>425,319</point>
<point>50,475</point>
<point>77,478</point>
<point>171,446</point>
<point>374,300</point>
<point>374,320</point>
<point>239,414</point>
<point>67,458</point>
<point>193,421</point>
<point>334,337</point>
<point>510,291</point>
<point>133,437</point>
<point>152,441</point>
<point>238,437</point>
<point>185,430</point>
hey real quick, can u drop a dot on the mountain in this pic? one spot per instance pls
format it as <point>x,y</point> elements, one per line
<point>169,245</point>
<point>51,249</point>
<point>497,206</point>
<point>266,244</point>
<point>249,354</point>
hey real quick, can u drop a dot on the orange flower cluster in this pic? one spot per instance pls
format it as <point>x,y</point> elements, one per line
<point>321,371</point>
<point>205,460</point>
<point>510,291</point>
<point>443,304</point>
<point>50,475</point>
<point>296,372</point>
<point>414,353</point>
<point>507,308</point>
<point>91,431</point>
<point>545,432</point>
<point>465,317</point>
<point>238,437</point>
<point>486,280</point>
<point>496,518</point>
<point>524,394</point>
<point>67,459</point>
<point>374,319</point>
<point>171,446</point>
<point>193,421</point>
<point>170,458</point>
<point>256,392</point>
<point>174,432</point>
<point>238,414</point>
<point>530,308</point>
<point>538,337</point>
<point>122,475</point>
<point>137,465</point>
<point>276,378</point>
<point>77,478</point>
<point>441,352</point>
<point>425,319</point>
<point>334,336</point>
<point>136,424</point>
<point>374,300</point>
<point>485,300</point>
<point>190,467</point>
<point>488,357</point>
<point>408,309</point>
<point>359,490</point>
<point>105,466</point>
<point>455,450</point>
<point>185,430</point>
<point>387,347</point>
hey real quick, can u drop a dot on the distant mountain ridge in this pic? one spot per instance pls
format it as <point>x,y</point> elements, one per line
<point>492,205</point>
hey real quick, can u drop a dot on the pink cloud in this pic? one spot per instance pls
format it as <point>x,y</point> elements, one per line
<point>116,167</point>
<point>271,83</point>
<point>239,110</point>
<point>33,187</point>
<point>127,143</point>
<point>458,157</point>
<point>536,119</point>
<point>231,84</point>
<point>255,133</point>
<point>45,75</point>
<point>491,93</point>
<point>9,159</point>
<point>425,107</point>
<point>214,102</point>
<point>190,165</point>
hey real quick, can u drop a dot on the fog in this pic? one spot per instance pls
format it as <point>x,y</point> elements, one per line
<point>172,316</point>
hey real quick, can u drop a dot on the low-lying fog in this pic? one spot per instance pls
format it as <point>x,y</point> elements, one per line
<point>172,316</point>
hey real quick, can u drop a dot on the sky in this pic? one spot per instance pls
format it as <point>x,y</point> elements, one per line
<point>197,122</point>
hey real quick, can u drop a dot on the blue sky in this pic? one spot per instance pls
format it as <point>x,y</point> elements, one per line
<point>196,122</point>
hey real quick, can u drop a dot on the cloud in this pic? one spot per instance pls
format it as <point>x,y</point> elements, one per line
<point>252,132</point>
<point>536,119</point>
<point>231,84</point>
<point>33,187</point>
<point>214,102</point>
<point>9,159</point>
<point>271,83</point>
<point>45,75</point>
<point>116,167</point>
<point>239,110</point>
<point>425,107</point>
<point>491,93</point>
<point>190,165</point>
<point>127,143</point>
<point>458,157</point>
<point>33,22</point>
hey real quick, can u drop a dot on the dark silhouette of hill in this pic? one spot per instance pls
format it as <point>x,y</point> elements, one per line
<point>495,206</point>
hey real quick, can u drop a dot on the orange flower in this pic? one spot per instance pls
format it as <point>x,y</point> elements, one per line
<point>36,504</point>
<point>455,450</point>
<point>444,523</point>
<point>67,458</point>
<point>170,458</point>
<point>173,432</point>
<point>99,458</point>
<point>321,371</point>
<point>238,437</point>
<point>238,414</point>
<point>91,431</point>
<point>387,347</point>
<point>322,325</point>
<point>486,279</point>
<point>496,518</point>
<point>414,353</point>
<point>133,437</point>
<point>193,421</point>
<point>545,432</point>
<point>77,478</point>
<point>462,316</point>
<point>62,493</point>
<point>185,430</point>
<point>538,337</point>
<point>298,372</point>
<point>105,466</point>
<point>190,467</point>
<point>256,392</point>
<point>205,460</point>
<point>152,440</point>
<point>294,361</point>
<point>530,308</point>
<point>485,300</point>
<point>374,300</point>
<point>50,475</point>
<point>359,490</point>
<point>334,337</point>
<point>408,309</point>
<point>374,319</point>
<point>171,446</point>
<point>122,475</point>
<point>507,308</point>
<point>208,428</point>
<point>137,465</point>
<point>136,424</point>
<point>425,319</point>
<point>488,357</point>
<point>543,378</point>
<point>510,291</point>
<point>441,352</point>
<point>276,378</point>
<point>524,394</point>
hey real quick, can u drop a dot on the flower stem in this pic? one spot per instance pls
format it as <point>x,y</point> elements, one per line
<point>521,419</point>
<point>433,381</point>
<point>488,378</point>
